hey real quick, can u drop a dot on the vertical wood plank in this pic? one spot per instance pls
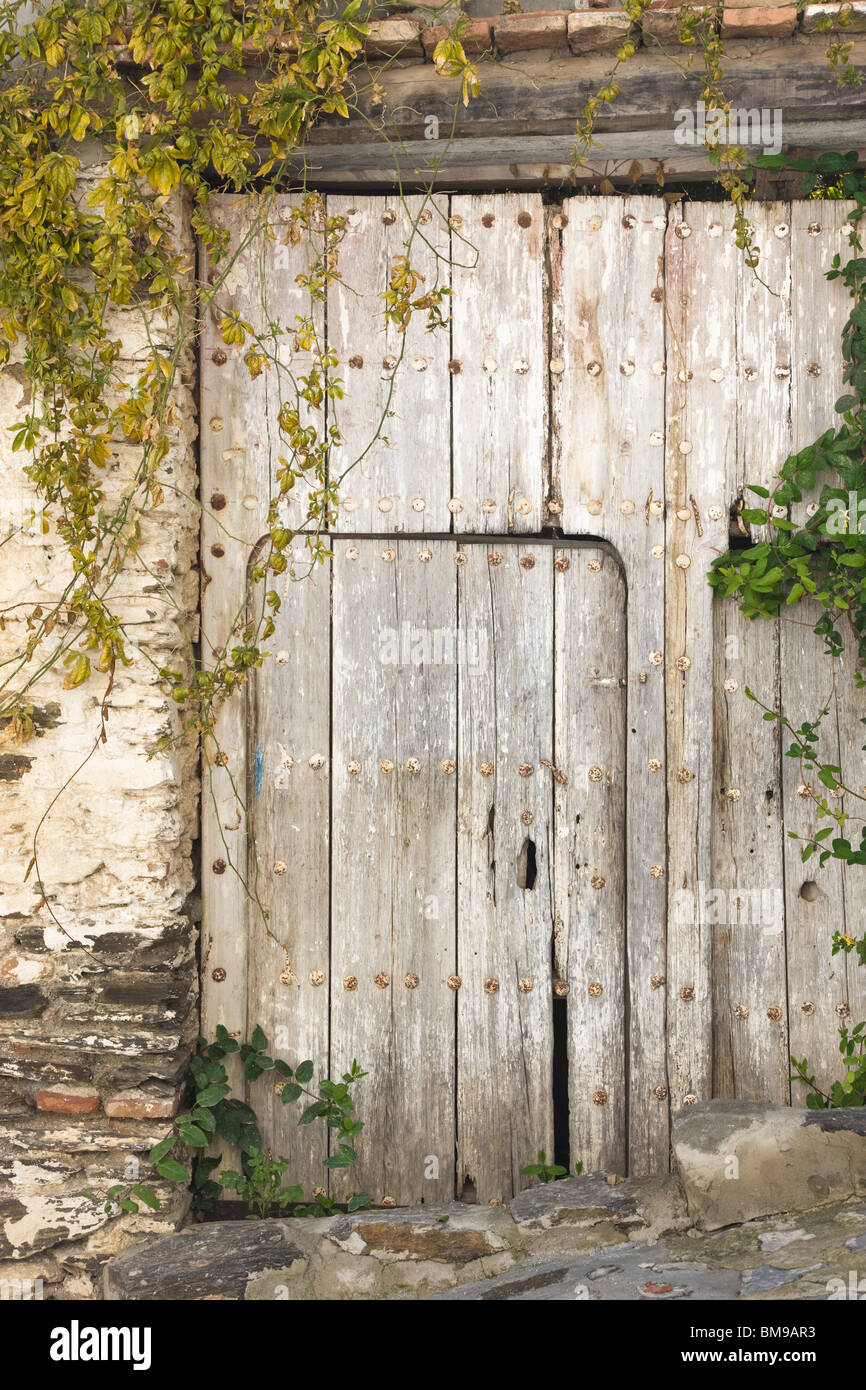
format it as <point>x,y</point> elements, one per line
<point>589,845</point>
<point>504,1033</point>
<point>235,463</point>
<point>701,271</point>
<point>500,363</point>
<point>608,419</point>
<point>393,859</point>
<point>399,381</point>
<point>747,905</point>
<point>819,986</point>
<point>289,797</point>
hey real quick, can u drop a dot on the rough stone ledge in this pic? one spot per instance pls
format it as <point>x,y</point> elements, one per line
<point>405,1253</point>
<point>739,1160</point>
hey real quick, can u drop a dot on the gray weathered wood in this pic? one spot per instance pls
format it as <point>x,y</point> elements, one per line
<point>504,1029</point>
<point>589,845</point>
<point>500,363</point>
<point>393,858</point>
<point>397,383</point>
<point>608,414</point>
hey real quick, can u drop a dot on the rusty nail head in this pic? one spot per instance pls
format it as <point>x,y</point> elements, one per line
<point>218,974</point>
<point>219,358</point>
<point>217,501</point>
<point>219,866</point>
<point>218,551</point>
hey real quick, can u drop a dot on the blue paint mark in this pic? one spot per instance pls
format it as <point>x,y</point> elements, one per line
<point>258,771</point>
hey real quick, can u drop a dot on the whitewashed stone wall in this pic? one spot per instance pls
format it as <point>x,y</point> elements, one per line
<point>96,1026</point>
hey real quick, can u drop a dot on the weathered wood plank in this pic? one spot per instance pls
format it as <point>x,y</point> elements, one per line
<point>815,899</point>
<point>589,845</point>
<point>393,836</point>
<point>750,1052</point>
<point>397,384</point>
<point>701,270</point>
<point>235,466</point>
<point>289,797</point>
<point>500,383</point>
<point>608,413</point>
<point>505,938</point>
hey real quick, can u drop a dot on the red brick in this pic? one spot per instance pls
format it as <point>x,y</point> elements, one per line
<point>138,1105</point>
<point>759,23</point>
<point>394,38</point>
<point>591,31</point>
<point>72,1100</point>
<point>541,29</point>
<point>476,37</point>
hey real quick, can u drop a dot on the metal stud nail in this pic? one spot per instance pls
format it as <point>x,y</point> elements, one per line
<point>488,506</point>
<point>594,566</point>
<point>683,514</point>
<point>413,765</point>
<point>593,368</point>
<point>656,658</point>
<point>656,871</point>
<point>629,221</point>
<point>656,438</point>
<point>660,1092</point>
<point>554,507</point>
<point>419,364</point>
<point>687,993</point>
<point>287,975</point>
<point>742,1012</point>
<point>219,866</point>
<point>387,555</point>
<point>454,982</point>
<point>683,230</point>
<point>561,564</point>
<point>813,369</point>
<point>683,663</point>
<point>486,769</point>
<point>418,504</point>
<point>350,504</point>
<point>280,866</point>
<point>316,761</point>
<point>599,1097</point>
<point>491,986</point>
<point>627,507</point>
<point>683,562</point>
<point>386,765</point>
<point>317,977</point>
<point>715,513</point>
<point>356,362</point>
<point>383,979</point>
<point>781,230</point>
<point>654,765</point>
<point>449,765</point>
<point>774,1013</point>
<point>490,365</point>
<point>595,774</point>
<point>594,507</point>
<point>411,980</point>
<point>807,1007</point>
<point>730,686</point>
<point>389,217</point>
<point>657,981</point>
<point>733,794</point>
<point>714,229</point>
<point>527,817</point>
<point>557,366</point>
<point>684,775</point>
<point>597,881</point>
<point>281,657</point>
<point>350,983</point>
<point>524,506</point>
<point>690,1099</point>
<point>685,447</point>
<point>626,367</point>
<point>494,558</point>
<point>455,367</point>
<point>561,988</point>
<point>595,989</point>
<point>460,557</point>
<point>352,552</point>
<point>455,222</point>
<point>425,555</point>
<point>526,769</point>
<point>385,504</point>
<point>217,424</point>
<point>218,975</point>
<point>843,1010</point>
<point>455,505</point>
<point>525,986</point>
<point>353,768</point>
<point>657,552</point>
<point>527,562</point>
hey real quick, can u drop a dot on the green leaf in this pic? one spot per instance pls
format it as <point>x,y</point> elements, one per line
<point>159,1151</point>
<point>192,1136</point>
<point>211,1095</point>
<point>259,1040</point>
<point>290,1093</point>
<point>172,1171</point>
<point>146,1195</point>
<point>304,1072</point>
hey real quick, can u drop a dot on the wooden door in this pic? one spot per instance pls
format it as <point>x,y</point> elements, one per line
<point>438,804</point>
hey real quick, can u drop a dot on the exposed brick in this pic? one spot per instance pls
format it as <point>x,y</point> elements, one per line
<point>139,1105</point>
<point>77,1100</point>
<point>594,31</point>
<point>854,17</point>
<point>542,29</point>
<point>759,23</point>
<point>661,22</point>
<point>476,36</point>
<point>391,38</point>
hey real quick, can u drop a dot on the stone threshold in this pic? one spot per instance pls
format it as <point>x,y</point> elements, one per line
<point>738,1164</point>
